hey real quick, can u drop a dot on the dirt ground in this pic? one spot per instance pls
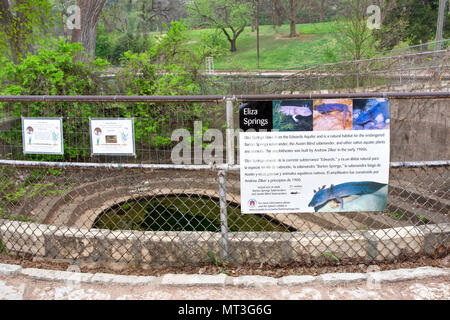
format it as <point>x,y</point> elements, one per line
<point>231,270</point>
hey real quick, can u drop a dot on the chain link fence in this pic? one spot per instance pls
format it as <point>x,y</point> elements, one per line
<point>401,71</point>
<point>145,209</point>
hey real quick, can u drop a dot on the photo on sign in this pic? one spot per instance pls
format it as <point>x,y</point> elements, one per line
<point>350,196</point>
<point>111,139</point>
<point>371,114</point>
<point>293,115</point>
<point>333,114</point>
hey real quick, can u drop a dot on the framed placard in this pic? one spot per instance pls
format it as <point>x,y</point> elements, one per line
<point>42,136</point>
<point>112,137</point>
<point>323,155</point>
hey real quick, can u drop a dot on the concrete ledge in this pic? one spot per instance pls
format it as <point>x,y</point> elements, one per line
<point>9,269</point>
<point>222,280</point>
<point>57,276</point>
<point>180,248</point>
<point>193,280</point>
<point>339,278</point>
<point>407,274</point>
<point>296,280</point>
<point>106,278</point>
<point>252,281</point>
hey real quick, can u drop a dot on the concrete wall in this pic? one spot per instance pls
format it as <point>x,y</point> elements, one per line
<point>178,248</point>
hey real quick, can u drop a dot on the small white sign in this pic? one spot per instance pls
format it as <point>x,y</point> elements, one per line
<point>42,136</point>
<point>112,136</point>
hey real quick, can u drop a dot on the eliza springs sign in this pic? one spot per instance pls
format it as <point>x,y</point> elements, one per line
<point>314,155</point>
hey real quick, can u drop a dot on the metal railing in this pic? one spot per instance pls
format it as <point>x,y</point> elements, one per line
<point>146,209</point>
<point>399,72</point>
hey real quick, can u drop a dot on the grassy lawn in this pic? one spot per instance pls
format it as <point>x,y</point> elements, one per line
<point>277,50</point>
<point>316,43</point>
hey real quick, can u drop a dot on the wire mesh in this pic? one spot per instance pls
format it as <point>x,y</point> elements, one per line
<point>400,72</point>
<point>182,216</point>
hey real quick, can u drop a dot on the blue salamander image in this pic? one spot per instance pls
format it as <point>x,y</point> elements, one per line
<point>332,114</point>
<point>326,108</point>
<point>360,196</point>
<point>371,114</point>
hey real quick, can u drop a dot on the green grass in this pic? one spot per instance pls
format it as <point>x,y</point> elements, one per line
<point>317,43</point>
<point>331,255</point>
<point>396,215</point>
<point>277,50</point>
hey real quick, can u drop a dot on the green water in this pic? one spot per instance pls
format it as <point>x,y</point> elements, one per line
<point>181,213</point>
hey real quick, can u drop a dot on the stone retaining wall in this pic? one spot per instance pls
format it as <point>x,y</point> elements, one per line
<point>180,248</point>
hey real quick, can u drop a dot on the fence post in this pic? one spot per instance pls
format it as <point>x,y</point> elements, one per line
<point>357,76</point>
<point>222,179</point>
<point>230,132</point>
<point>223,215</point>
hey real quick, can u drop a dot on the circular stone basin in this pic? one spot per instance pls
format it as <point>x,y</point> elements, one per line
<point>182,213</point>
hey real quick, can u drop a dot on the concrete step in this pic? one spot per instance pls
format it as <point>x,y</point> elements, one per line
<point>416,211</point>
<point>417,194</point>
<point>375,220</point>
<point>83,203</point>
<point>298,221</point>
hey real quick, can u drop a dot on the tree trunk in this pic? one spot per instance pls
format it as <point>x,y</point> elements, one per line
<point>292,33</point>
<point>277,13</point>
<point>16,29</point>
<point>233,45</point>
<point>322,10</point>
<point>90,11</point>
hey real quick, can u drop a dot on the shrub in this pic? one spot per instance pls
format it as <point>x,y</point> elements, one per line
<point>52,71</point>
<point>169,67</point>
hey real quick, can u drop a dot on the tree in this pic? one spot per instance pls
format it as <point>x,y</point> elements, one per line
<point>167,68</point>
<point>355,37</point>
<point>321,7</point>
<point>291,9</point>
<point>277,13</point>
<point>229,16</point>
<point>90,11</point>
<point>115,16</point>
<point>19,20</point>
<point>413,21</point>
<point>159,12</point>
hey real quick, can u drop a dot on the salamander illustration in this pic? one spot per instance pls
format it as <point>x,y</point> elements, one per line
<point>326,108</point>
<point>296,112</point>
<point>323,195</point>
<point>377,114</point>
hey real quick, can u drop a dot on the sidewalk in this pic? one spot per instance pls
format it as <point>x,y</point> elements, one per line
<point>17,283</point>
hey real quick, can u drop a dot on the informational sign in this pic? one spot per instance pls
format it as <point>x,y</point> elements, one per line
<point>314,155</point>
<point>42,136</point>
<point>112,136</point>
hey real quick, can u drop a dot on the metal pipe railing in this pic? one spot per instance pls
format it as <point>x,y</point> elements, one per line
<point>217,98</point>
<point>224,167</point>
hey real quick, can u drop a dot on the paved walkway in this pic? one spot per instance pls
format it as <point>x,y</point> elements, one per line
<point>17,283</point>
